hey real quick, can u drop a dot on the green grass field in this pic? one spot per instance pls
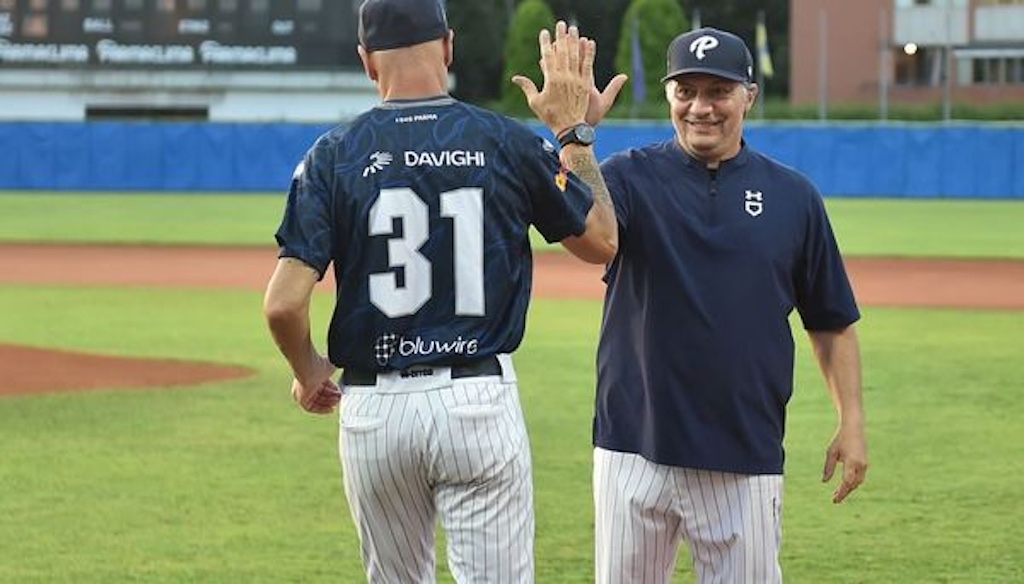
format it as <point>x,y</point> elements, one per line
<point>865,227</point>
<point>230,482</point>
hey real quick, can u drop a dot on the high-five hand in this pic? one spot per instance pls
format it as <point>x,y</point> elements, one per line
<point>567,63</point>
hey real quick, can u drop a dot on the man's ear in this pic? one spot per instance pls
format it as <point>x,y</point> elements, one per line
<point>368,66</point>
<point>449,48</point>
<point>752,92</point>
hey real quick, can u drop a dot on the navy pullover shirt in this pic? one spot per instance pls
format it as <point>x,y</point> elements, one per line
<point>695,361</point>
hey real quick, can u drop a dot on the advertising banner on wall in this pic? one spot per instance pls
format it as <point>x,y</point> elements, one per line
<point>182,34</point>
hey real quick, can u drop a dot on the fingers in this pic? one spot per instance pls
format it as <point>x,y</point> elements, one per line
<point>323,400</point>
<point>547,51</point>
<point>854,472</point>
<point>831,458</point>
<point>611,91</point>
<point>853,476</point>
<point>588,49</point>
<point>527,85</point>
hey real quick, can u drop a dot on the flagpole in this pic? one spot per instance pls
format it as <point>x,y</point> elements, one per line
<point>760,64</point>
<point>639,78</point>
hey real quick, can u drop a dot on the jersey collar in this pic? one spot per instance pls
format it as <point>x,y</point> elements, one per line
<point>740,159</point>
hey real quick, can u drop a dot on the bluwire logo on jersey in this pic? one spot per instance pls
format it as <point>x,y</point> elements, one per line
<point>388,344</point>
<point>420,346</point>
<point>445,158</point>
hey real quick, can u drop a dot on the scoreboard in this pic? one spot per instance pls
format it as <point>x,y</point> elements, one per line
<point>179,34</point>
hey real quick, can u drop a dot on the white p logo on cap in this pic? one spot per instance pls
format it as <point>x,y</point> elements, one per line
<point>703,44</point>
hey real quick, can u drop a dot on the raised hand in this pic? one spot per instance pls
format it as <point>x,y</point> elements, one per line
<point>567,63</point>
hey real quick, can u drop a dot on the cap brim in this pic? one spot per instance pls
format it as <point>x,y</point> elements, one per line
<point>707,70</point>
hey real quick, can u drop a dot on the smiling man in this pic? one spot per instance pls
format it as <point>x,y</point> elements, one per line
<point>717,245</point>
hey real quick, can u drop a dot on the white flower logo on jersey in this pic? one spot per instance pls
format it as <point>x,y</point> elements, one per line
<point>385,347</point>
<point>378,160</point>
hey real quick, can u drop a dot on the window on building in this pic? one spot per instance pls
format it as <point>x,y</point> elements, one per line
<point>998,71</point>
<point>130,27</point>
<point>259,6</point>
<point>1015,71</point>
<point>228,6</point>
<point>166,5</point>
<point>38,5</point>
<point>7,4</point>
<point>35,26</point>
<point>195,5</point>
<point>134,5</point>
<point>310,5</point>
<point>923,68</point>
<point>70,5</point>
<point>101,5</point>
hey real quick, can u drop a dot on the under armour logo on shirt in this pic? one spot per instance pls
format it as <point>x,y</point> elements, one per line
<point>702,45</point>
<point>754,203</point>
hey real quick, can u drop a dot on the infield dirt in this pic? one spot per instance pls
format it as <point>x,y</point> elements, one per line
<point>936,283</point>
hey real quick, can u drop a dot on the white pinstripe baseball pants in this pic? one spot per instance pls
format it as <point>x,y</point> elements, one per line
<point>730,522</point>
<point>415,449</point>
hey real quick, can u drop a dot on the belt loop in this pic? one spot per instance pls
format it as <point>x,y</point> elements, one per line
<point>508,372</point>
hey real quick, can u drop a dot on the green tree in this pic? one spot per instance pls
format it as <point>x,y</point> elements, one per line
<point>479,38</point>
<point>522,55</point>
<point>740,17</point>
<point>656,22</point>
<point>599,21</point>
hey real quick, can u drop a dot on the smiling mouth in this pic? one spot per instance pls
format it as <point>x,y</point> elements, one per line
<point>702,123</point>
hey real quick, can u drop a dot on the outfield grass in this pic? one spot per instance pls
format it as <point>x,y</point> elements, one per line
<point>229,482</point>
<point>864,227</point>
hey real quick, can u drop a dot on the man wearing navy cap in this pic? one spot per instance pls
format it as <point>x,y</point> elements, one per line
<point>423,205</point>
<point>717,245</point>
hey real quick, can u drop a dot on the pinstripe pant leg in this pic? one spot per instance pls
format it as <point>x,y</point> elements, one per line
<point>391,503</point>
<point>482,470</point>
<point>637,519</point>
<point>733,525</point>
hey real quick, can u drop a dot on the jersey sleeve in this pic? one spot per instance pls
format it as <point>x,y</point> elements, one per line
<point>824,297</point>
<point>305,232</point>
<point>559,199</point>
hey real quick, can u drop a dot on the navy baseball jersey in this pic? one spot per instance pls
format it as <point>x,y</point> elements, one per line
<point>424,208</point>
<point>711,265</point>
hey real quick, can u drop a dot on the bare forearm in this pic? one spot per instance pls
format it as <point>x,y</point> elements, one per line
<point>838,355</point>
<point>291,334</point>
<point>600,241</point>
<point>286,309</point>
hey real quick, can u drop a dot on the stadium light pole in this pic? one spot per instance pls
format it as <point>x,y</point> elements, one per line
<point>883,65</point>
<point>947,87</point>
<point>822,63</point>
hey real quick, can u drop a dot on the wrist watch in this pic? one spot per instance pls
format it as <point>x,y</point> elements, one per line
<point>579,134</point>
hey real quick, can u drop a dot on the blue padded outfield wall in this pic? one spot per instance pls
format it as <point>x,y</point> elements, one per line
<point>887,160</point>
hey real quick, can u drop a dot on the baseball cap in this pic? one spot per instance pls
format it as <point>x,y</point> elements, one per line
<point>712,51</point>
<point>393,24</point>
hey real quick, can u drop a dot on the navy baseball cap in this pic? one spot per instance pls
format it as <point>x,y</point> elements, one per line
<point>393,24</point>
<point>711,51</point>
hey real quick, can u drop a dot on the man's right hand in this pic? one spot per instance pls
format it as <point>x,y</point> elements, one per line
<point>568,67</point>
<point>318,394</point>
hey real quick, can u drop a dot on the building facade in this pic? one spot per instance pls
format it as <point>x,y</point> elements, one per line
<point>906,52</point>
<point>218,60</point>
